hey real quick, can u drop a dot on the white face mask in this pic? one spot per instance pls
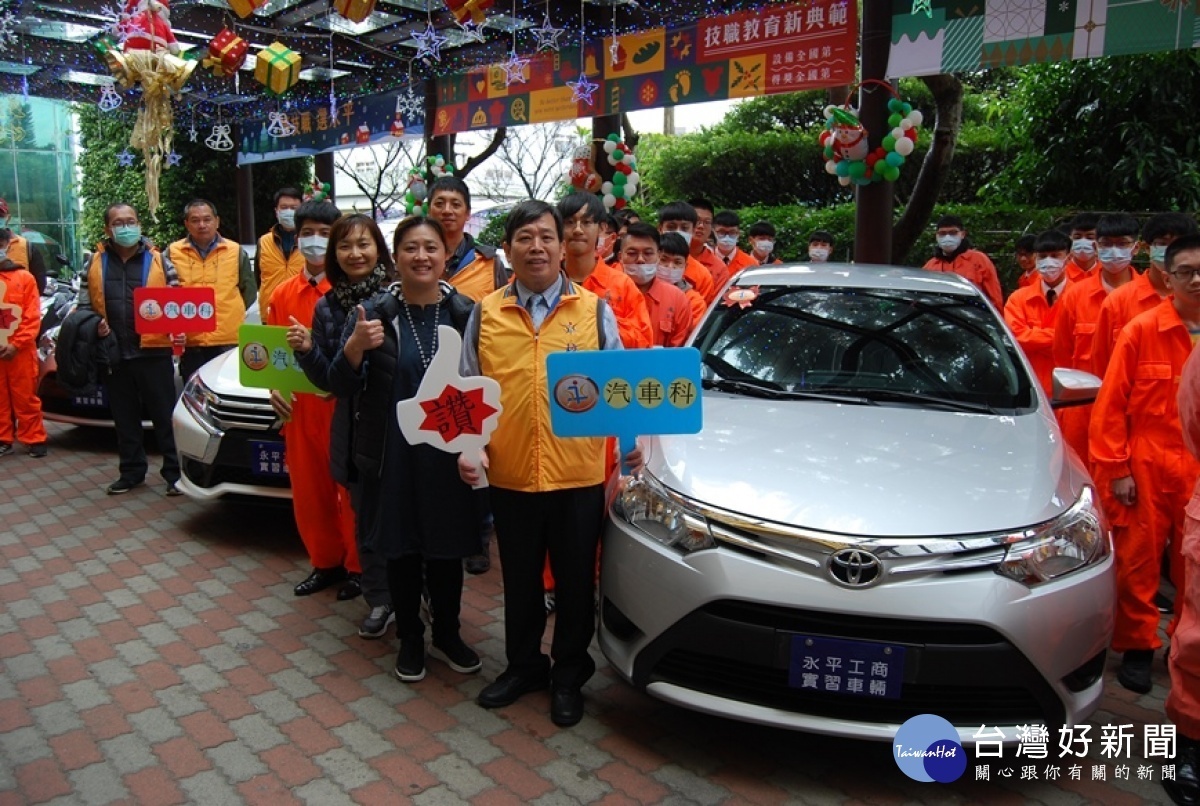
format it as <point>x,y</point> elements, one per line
<point>1116,258</point>
<point>818,254</point>
<point>764,247</point>
<point>1158,255</point>
<point>1050,267</point>
<point>949,243</point>
<point>671,274</point>
<point>1084,247</point>
<point>687,236</point>
<point>727,242</point>
<point>313,247</point>
<point>641,272</point>
<point>286,218</point>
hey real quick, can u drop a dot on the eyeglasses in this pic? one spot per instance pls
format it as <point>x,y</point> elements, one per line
<point>1185,274</point>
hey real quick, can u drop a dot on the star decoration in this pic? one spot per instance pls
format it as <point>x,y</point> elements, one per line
<point>514,69</point>
<point>614,52</point>
<point>471,32</point>
<point>7,319</point>
<point>410,105</point>
<point>429,43</point>
<point>173,159</point>
<point>547,35</point>
<point>193,134</point>
<point>583,90</point>
<point>456,412</point>
<point>125,158</point>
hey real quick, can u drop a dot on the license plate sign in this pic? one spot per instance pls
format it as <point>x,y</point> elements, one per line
<point>96,400</point>
<point>837,666</point>
<point>268,459</point>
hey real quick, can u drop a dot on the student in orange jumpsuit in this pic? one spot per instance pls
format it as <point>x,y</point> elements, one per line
<point>762,242</point>
<point>680,217</point>
<point>727,227</point>
<point>1030,311</point>
<point>954,254</point>
<point>18,356</point>
<point>1183,700</point>
<point>1083,246</point>
<point>702,245</point>
<point>582,213</point>
<point>672,263</point>
<point>1136,441</point>
<point>1026,260</point>
<point>1075,326</point>
<point>670,311</point>
<point>322,507</point>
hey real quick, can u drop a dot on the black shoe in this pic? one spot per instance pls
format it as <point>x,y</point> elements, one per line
<point>566,706</point>
<point>121,486</point>
<point>1185,789</point>
<point>38,451</point>
<point>1164,603</point>
<point>410,662</point>
<point>1134,673</point>
<point>477,564</point>
<point>456,654</point>
<point>319,580</point>
<point>5,448</point>
<point>508,688</point>
<point>376,624</point>
<point>352,589</point>
<point>173,490</point>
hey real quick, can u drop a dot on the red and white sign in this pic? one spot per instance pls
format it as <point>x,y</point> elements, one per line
<point>10,317</point>
<point>171,309</point>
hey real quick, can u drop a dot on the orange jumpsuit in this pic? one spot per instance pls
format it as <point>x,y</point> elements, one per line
<point>1075,272</point>
<point>975,266</point>
<point>1028,279</point>
<point>628,305</point>
<point>739,262</point>
<point>19,375</point>
<point>1136,431</point>
<point>321,505</point>
<point>1074,329</point>
<point>701,279</point>
<point>1118,310</point>
<point>670,313</point>
<point>1031,319</point>
<point>716,267</point>
<point>1183,700</point>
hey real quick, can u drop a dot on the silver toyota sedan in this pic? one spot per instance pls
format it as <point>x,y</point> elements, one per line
<point>880,519</point>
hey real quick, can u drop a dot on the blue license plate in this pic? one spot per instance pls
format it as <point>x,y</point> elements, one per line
<point>268,459</point>
<point>96,400</point>
<point>837,666</point>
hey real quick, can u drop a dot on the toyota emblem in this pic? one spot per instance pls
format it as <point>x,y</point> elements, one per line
<point>855,568</point>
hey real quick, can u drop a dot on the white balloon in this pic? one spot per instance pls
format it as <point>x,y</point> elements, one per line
<point>606,188</point>
<point>609,200</point>
<point>830,167</point>
<point>906,124</point>
<point>635,177</point>
<point>843,180</point>
<point>897,132</point>
<point>904,146</point>
<point>609,146</point>
<point>916,117</point>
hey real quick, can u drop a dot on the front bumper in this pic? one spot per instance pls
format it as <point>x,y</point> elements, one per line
<point>219,464</point>
<point>711,631</point>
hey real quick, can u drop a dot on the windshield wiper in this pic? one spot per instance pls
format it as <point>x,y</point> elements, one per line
<point>900,395</point>
<point>753,389</point>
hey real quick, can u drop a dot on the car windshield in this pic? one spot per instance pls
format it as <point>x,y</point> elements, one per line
<point>866,346</point>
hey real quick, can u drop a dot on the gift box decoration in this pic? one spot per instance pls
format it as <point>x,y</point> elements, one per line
<point>244,8</point>
<point>278,68</point>
<point>469,10</point>
<point>354,10</point>
<point>226,53</point>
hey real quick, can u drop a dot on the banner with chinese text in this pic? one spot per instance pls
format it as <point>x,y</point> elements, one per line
<point>773,50</point>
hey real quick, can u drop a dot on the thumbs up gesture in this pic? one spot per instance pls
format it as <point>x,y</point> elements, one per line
<point>367,335</point>
<point>298,336</point>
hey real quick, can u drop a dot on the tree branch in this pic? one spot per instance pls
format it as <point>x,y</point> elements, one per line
<point>474,162</point>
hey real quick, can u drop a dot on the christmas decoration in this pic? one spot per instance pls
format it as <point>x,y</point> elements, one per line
<point>320,192</point>
<point>583,90</point>
<point>414,195</point>
<point>219,140</point>
<point>849,157</point>
<point>620,191</point>
<point>125,158</point>
<point>429,44</point>
<point>583,175</point>
<point>109,99</point>
<point>226,54</point>
<point>244,8</point>
<point>471,32</point>
<point>922,7</point>
<point>277,68</point>
<point>8,29</point>
<point>469,10</point>
<point>547,35</point>
<point>514,69</point>
<point>280,126</point>
<point>354,10</point>
<point>173,159</point>
<point>410,104</point>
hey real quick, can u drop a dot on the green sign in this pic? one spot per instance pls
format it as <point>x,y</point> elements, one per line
<point>266,362</point>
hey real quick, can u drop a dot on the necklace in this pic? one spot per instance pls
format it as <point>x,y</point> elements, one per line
<point>425,360</point>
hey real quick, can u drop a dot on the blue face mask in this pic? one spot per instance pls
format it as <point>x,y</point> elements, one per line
<point>126,235</point>
<point>1158,255</point>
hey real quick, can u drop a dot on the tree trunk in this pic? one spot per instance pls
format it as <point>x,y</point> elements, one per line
<point>948,97</point>
<point>473,162</point>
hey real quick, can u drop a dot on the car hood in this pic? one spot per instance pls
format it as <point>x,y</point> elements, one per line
<point>221,376</point>
<point>877,471</point>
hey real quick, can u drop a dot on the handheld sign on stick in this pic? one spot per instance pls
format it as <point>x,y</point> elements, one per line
<point>174,310</point>
<point>265,361</point>
<point>452,413</point>
<point>10,316</point>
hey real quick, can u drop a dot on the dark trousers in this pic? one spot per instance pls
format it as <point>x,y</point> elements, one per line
<point>406,577</point>
<point>565,524</point>
<point>374,565</point>
<point>195,357</point>
<point>145,382</point>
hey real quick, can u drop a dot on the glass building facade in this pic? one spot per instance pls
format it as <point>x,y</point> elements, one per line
<point>37,175</point>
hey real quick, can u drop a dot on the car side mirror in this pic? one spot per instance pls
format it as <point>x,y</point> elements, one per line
<point>1073,387</point>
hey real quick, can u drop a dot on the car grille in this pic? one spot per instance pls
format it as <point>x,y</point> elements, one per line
<point>232,464</point>
<point>966,673</point>
<point>230,411</point>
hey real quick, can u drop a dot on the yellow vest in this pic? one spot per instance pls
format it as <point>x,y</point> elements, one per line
<point>524,454</point>
<point>18,251</point>
<point>274,268</point>
<point>477,279</point>
<point>218,271</point>
<point>155,277</point>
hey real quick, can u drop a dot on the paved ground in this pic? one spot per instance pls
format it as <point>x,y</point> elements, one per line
<point>153,653</point>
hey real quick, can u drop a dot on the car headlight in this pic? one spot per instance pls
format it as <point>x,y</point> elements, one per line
<point>646,505</point>
<point>199,400</point>
<point>1075,540</point>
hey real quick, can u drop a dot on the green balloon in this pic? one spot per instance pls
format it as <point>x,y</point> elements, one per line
<point>888,142</point>
<point>905,108</point>
<point>891,173</point>
<point>894,159</point>
<point>857,169</point>
<point>828,152</point>
<point>894,120</point>
<point>619,178</point>
<point>894,105</point>
<point>616,138</point>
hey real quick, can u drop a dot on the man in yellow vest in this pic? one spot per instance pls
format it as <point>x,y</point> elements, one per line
<point>145,378</point>
<point>205,259</point>
<point>547,493</point>
<point>19,251</point>
<point>473,268</point>
<point>278,259</point>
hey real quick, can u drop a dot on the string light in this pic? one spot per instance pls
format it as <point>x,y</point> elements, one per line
<point>583,89</point>
<point>514,68</point>
<point>547,35</point>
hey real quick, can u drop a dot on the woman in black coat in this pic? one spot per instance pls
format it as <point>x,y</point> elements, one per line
<point>415,510</point>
